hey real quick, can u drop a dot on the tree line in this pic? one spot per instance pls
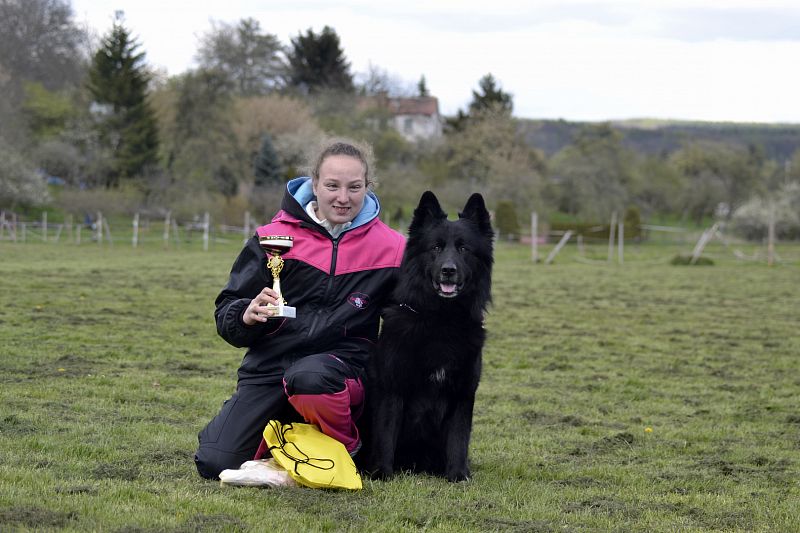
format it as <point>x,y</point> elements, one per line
<point>93,120</point>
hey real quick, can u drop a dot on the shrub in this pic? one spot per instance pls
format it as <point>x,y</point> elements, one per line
<point>506,220</point>
<point>633,222</point>
<point>124,200</point>
<point>20,184</point>
<point>751,220</point>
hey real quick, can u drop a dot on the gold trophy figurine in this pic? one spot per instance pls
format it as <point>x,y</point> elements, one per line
<point>275,246</point>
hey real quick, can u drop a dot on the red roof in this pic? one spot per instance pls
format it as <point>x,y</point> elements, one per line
<point>422,105</point>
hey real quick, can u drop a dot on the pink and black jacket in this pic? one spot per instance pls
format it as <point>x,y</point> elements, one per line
<point>338,286</point>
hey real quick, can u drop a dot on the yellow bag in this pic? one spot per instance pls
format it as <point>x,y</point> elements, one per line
<point>312,458</point>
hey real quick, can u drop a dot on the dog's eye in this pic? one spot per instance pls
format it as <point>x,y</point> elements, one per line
<point>437,248</point>
<point>462,248</point>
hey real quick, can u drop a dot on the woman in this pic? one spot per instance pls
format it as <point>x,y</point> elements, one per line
<point>338,274</point>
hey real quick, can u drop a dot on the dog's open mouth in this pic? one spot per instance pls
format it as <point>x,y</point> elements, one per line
<point>446,289</point>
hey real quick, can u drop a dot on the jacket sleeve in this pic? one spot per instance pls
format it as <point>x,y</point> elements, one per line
<point>248,277</point>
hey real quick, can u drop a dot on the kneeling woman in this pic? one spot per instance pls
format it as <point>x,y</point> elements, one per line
<point>338,275</point>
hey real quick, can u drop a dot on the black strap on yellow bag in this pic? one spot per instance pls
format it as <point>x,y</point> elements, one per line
<point>312,458</point>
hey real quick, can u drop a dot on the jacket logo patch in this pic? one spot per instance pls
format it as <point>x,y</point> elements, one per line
<point>359,300</point>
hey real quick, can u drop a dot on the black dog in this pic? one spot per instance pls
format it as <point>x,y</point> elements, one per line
<point>425,371</point>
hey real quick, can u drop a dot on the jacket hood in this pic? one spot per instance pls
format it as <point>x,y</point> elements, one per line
<point>301,190</point>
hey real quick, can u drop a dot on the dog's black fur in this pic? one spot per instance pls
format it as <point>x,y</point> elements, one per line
<point>423,376</point>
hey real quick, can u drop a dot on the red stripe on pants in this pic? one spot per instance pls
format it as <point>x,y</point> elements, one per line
<point>334,413</point>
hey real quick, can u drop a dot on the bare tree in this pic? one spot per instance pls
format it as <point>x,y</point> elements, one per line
<point>377,80</point>
<point>40,42</point>
<point>250,59</point>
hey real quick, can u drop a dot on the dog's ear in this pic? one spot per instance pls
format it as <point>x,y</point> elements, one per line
<point>475,210</point>
<point>427,211</point>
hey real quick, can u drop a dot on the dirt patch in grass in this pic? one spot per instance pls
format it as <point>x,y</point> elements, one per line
<point>77,489</point>
<point>740,520</point>
<point>14,425</point>
<point>35,517</point>
<point>124,472</point>
<point>532,526</point>
<point>602,506</point>
<point>67,365</point>
<point>186,368</point>
<point>168,457</point>
<point>618,441</point>
<point>213,522</point>
<point>580,481</point>
<point>167,465</point>
<point>557,366</point>
<point>551,419</point>
<point>136,529</point>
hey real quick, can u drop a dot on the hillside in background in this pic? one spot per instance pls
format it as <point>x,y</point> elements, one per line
<point>778,141</point>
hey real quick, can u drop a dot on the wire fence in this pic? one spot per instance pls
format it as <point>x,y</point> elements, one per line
<point>137,231</point>
<point>601,244</point>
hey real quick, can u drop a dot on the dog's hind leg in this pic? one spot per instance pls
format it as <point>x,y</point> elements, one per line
<point>458,428</point>
<point>387,418</point>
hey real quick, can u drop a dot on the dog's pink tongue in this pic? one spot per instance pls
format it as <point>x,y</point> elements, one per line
<point>448,288</point>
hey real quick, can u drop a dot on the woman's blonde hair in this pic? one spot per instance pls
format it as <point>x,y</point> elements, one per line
<point>342,146</point>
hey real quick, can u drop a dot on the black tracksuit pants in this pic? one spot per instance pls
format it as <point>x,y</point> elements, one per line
<point>320,389</point>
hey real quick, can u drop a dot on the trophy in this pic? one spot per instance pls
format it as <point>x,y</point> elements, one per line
<point>274,246</point>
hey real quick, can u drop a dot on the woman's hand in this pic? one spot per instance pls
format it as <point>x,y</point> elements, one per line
<point>257,311</point>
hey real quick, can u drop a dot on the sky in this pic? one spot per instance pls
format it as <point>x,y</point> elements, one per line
<point>581,60</point>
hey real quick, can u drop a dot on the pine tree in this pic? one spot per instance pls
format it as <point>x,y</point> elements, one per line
<point>118,85</point>
<point>267,166</point>
<point>490,97</point>
<point>490,100</point>
<point>318,62</point>
<point>422,88</point>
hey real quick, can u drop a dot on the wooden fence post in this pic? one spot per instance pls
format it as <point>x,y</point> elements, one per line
<point>701,243</point>
<point>558,247</point>
<point>246,225</point>
<point>205,231</point>
<point>108,232</point>
<point>535,237</point>
<point>611,228</point>
<point>135,238</point>
<point>99,228</point>
<point>166,229</point>
<point>621,242</point>
<point>771,239</point>
<point>175,232</point>
<point>44,226</point>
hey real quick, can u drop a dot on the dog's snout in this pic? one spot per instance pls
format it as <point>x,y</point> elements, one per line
<point>449,269</point>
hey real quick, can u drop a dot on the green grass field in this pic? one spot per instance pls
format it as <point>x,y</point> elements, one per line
<point>635,397</point>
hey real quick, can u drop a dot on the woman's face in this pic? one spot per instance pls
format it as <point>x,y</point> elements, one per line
<point>340,189</point>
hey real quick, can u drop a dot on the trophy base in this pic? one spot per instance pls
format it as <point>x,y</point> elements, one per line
<point>282,311</point>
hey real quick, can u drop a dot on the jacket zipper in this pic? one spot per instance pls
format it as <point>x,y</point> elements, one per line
<point>328,289</point>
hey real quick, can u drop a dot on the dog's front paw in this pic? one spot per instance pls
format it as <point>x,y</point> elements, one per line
<point>458,475</point>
